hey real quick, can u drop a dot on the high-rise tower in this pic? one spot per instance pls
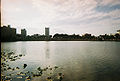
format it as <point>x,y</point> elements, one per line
<point>47,32</point>
<point>23,32</point>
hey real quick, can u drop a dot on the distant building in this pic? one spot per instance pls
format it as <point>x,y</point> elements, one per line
<point>47,32</point>
<point>8,33</point>
<point>87,35</point>
<point>23,32</point>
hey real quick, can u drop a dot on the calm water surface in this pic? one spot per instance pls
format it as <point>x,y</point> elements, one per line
<point>77,60</point>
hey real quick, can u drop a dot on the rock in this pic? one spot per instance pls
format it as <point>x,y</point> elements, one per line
<point>15,56</point>
<point>60,78</point>
<point>18,74</point>
<point>7,78</point>
<point>39,69</point>
<point>17,68</point>
<point>60,74</point>
<point>45,69</point>
<point>40,72</point>
<point>25,65</point>
<point>12,59</point>
<point>19,77</point>
<point>5,69</point>
<point>55,67</point>
<point>37,75</point>
<point>28,78</point>
<point>21,72</point>
<point>20,55</point>
<point>50,68</point>
<point>3,64</point>
<point>11,53</point>
<point>13,69</point>
<point>9,68</point>
<point>10,74</point>
<point>48,78</point>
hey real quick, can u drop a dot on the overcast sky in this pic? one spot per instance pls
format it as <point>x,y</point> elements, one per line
<point>62,16</point>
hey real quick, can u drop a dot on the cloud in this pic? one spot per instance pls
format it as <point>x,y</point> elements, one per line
<point>64,8</point>
<point>70,11</point>
<point>66,15</point>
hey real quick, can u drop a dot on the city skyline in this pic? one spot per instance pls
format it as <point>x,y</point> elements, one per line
<point>79,17</point>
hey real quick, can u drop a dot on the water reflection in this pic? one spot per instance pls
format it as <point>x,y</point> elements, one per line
<point>47,50</point>
<point>23,48</point>
<point>78,60</point>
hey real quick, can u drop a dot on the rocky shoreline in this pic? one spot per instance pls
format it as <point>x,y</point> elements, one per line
<point>21,74</point>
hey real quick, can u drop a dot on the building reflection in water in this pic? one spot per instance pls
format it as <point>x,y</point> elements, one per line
<point>23,48</point>
<point>47,50</point>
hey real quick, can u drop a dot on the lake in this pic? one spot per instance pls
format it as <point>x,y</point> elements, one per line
<point>61,60</point>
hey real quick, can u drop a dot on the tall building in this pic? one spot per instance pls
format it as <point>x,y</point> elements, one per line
<point>23,32</point>
<point>8,33</point>
<point>47,32</point>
